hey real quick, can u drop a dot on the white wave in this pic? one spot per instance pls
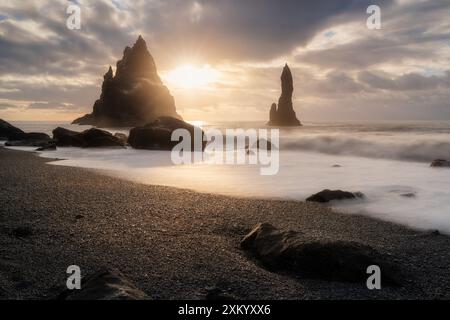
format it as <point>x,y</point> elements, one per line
<point>409,148</point>
<point>301,174</point>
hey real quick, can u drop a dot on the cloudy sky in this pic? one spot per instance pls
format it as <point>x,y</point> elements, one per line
<point>236,50</point>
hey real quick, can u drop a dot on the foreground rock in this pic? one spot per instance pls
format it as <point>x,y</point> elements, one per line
<point>32,139</point>
<point>9,132</point>
<point>18,138</point>
<point>440,163</point>
<point>105,285</point>
<point>158,134</point>
<point>324,259</point>
<point>134,96</point>
<point>331,195</point>
<point>92,138</point>
<point>284,115</point>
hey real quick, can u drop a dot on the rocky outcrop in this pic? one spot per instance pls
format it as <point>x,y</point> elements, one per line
<point>9,132</point>
<point>105,285</point>
<point>284,115</point>
<point>157,135</point>
<point>440,163</point>
<point>294,252</point>
<point>134,96</point>
<point>331,195</point>
<point>92,138</point>
<point>18,138</point>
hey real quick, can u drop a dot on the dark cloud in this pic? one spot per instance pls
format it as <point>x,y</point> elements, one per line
<point>248,30</point>
<point>363,53</point>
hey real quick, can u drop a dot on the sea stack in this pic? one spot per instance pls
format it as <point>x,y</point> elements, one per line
<point>284,115</point>
<point>134,96</point>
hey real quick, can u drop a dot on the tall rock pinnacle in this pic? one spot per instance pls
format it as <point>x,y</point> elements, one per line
<point>134,96</point>
<point>285,114</point>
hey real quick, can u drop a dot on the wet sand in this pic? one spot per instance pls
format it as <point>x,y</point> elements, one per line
<point>175,244</point>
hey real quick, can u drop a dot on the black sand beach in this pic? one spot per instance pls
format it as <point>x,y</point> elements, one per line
<point>175,244</point>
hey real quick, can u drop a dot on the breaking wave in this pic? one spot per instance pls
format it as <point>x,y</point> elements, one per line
<point>388,147</point>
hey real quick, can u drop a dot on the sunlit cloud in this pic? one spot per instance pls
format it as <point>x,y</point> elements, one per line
<point>221,59</point>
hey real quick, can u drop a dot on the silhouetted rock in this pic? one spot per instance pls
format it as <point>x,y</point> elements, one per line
<point>330,195</point>
<point>440,163</point>
<point>9,132</point>
<point>157,135</point>
<point>31,139</point>
<point>91,138</point>
<point>104,285</point>
<point>325,259</point>
<point>134,96</point>
<point>285,114</point>
<point>18,138</point>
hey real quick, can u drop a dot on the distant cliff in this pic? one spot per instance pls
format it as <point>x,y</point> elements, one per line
<point>284,115</point>
<point>134,96</point>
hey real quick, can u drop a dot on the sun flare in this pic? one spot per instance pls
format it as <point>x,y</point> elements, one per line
<point>190,76</point>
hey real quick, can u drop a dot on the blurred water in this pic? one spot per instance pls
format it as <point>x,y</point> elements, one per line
<point>382,160</point>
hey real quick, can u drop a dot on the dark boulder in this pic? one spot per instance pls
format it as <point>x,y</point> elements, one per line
<point>158,134</point>
<point>104,285</point>
<point>18,138</point>
<point>440,163</point>
<point>31,139</point>
<point>91,138</point>
<point>9,132</point>
<point>291,251</point>
<point>66,138</point>
<point>134,96</point>
<point>284,115</point>
<point>331,195</point>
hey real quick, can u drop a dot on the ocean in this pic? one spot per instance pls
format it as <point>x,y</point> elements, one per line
<point>384,160</point>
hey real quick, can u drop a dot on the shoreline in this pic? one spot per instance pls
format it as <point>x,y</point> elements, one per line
<point>175,243</point>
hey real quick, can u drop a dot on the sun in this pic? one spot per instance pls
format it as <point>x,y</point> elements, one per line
<point>192,77</point>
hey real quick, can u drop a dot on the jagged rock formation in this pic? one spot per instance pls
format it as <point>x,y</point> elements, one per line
<point>134,96</point>
<point>284,115</point>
